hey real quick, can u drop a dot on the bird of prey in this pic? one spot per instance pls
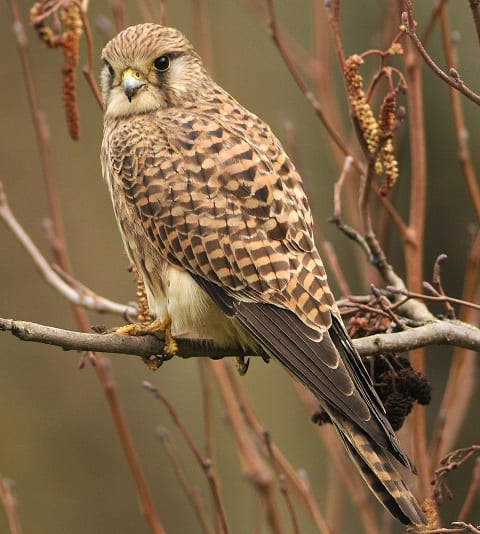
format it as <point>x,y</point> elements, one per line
<point>215,219</point>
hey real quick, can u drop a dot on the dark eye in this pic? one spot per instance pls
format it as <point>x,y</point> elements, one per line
<point>162,63</point>
<point>109,67</point>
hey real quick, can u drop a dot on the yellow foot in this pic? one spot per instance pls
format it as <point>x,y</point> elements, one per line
<point>242,364</point>
<point>170,348</point>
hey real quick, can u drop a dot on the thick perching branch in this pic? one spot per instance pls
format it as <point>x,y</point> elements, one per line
<point>446,332</point>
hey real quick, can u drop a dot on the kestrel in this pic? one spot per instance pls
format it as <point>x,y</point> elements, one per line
<point>215,219</point>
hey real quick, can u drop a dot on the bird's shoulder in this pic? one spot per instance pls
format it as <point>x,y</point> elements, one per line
<point>220,186</point>
<point>224,154</point>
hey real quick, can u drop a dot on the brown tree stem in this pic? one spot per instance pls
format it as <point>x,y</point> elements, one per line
<point>10,504</point>
<point>452,78</point>
<point>414,247</point>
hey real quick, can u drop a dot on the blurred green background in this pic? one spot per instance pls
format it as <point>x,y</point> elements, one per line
<point>57,439</point>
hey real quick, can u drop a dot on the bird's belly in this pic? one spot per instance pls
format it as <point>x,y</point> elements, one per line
<point>192,312</point>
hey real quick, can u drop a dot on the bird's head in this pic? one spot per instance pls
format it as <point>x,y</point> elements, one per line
<point>149,67</point>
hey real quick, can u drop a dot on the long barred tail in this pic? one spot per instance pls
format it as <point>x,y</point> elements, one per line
<point>379,473</point>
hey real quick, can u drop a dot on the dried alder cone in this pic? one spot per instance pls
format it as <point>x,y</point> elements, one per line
<point>399,387</point>
<point>66,14</point>
<point>397,384</point>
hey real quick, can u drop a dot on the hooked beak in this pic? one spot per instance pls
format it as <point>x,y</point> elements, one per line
<point>132,81</point>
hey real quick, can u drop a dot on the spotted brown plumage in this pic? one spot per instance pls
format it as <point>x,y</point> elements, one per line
<point>215,219</point>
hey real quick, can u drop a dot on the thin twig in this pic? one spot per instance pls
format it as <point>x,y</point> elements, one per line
<point>328,253</point>
<point>338,187</point>
<point>278,39</point>
<point>460,388</point>
<point>468,527</point>
<point>105,375</point>
<point>434,17</point>
<point>461,528</point>
<point>190,490</point>
<point>438,285</point>
<point>366,181</point>
<point>433,298</point>
<point>461,131</point>
<point>88,70</point>
<point>42,135</point>
<point>298,482</point>
<point>352,234</point>
<point>8,498</point>
<point>282,482</point>
<point>163,12</point>
<point>472,493</point>
<point>205,463</point>
<point>385,306</point>
<point>414,248</point>
<point>452,461</point>
<point>202,32</point>
<point>333,9</point>
<point>74,292</point>
<point>119,10</point>
<point>207,401</point>
<point>150,11</point>
<point>254,468</point>
<point>320,72</point>
<point>452,78</point>
<point>276,36</point>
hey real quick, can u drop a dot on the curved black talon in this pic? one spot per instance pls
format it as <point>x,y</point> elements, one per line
<point>242,365</point>
<point>155,361</point>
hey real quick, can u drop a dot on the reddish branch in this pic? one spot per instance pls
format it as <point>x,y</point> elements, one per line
<point>452,78</point>
<point>8,498</point>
